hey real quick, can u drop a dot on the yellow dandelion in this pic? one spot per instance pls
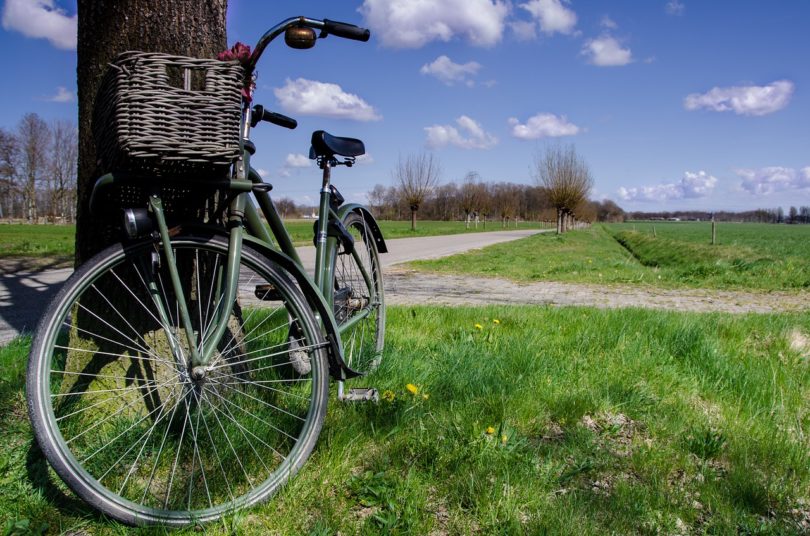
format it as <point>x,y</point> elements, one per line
<point>388,395</point>
<point>490,430</point>
<point>503,439</point>
<point>479,327</point>
<point>425,396</point>
<point>412,388</point>
<point>496,321</point>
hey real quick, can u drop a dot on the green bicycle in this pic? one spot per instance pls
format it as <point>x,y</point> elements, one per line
<point>184,372</point>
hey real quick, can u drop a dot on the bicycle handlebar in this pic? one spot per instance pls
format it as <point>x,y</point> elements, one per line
<point>347,31</point>
<point>340,29</point>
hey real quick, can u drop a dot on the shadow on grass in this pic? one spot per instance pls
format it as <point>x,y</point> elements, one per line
<point>42,480</point>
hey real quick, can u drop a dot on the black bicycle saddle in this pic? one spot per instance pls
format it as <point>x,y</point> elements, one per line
<point>325,145</point>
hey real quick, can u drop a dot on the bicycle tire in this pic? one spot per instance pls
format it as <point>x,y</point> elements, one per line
<point>110,405</point>
<point>363,343</point>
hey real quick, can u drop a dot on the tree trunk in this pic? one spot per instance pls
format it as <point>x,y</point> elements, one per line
<point>413,220</point>
<point>183,27</point>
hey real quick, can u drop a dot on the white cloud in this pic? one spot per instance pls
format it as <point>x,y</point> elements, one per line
<point>543,126</point>
<point>364,159</point>
<point>476,137</point>
<point>552,16</point>
<point>608,23</point>
<point>674,7</point>
<point>410,24</point>
<point>691,186</point>
<point>262,172</point>
<point>606,51</point>
<point>62,95</point>
<point>524,30</point>
<point>297,160</point>
<point>743,100</point>
<point>309,97</point>
<point>449,72</point>
<point>768,180</point>
<point>41,19</point>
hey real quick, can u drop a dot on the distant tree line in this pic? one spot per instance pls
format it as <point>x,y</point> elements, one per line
<point>38,164</point>
<point>560,194</point>
<point>794,215</point>
<point>472,200</point>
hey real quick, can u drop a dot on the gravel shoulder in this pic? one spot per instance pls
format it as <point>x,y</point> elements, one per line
<point>404,286</point>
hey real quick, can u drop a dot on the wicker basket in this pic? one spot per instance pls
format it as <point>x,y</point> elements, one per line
<point>168,115</point>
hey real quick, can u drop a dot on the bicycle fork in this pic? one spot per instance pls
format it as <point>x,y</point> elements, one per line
<point>203,350</point>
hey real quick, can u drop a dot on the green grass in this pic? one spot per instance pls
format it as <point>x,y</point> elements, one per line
<point>22,240</point>
<point>609,421</point>
<point>762,238</point>
<point>616,254</point>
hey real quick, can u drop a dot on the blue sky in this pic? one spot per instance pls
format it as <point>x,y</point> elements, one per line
<point>674,104</point>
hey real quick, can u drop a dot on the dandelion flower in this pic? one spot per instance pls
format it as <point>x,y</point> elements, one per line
<point>479,327</point>
<point>503,439</point>
<point>412,388</point>
<point>496,321</point>
<point>490,430</point>
<point>425,396</point>
<point>388,395</point>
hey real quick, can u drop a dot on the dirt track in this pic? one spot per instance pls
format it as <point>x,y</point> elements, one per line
<point>408,287</point>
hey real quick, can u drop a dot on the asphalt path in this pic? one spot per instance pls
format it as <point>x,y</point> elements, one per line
<point>24,293</point>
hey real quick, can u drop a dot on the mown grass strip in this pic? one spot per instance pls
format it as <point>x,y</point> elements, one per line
<point>611,256</point>
<point>22,240</point>
<point>532,420</point>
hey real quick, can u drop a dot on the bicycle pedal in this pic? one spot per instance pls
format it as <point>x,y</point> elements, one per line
<point>361,394</point>
<point>267,292</point>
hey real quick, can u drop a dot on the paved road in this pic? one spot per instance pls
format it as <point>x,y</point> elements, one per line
<point>24,294</point>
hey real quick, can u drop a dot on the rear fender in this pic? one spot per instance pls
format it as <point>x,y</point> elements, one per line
<point>371,223</point>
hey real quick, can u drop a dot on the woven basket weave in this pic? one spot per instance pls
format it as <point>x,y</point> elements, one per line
<point>168,115</point>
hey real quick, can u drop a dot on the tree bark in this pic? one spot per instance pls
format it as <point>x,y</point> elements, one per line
<point>183,27</point>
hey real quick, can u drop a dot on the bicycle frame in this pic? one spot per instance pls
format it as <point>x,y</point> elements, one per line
<point>244,221</point>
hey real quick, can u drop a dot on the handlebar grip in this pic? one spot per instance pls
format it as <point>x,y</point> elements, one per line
<point>347,31</point>
<point>260,114</point>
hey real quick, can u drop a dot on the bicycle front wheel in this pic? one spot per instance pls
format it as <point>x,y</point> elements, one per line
<point>359,305</point>
<point>132,428</point>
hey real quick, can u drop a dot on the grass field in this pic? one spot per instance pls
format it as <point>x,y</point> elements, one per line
<point>526,420</point>
<point>761,238</point>
<point>20,240</point>
<point>760,257</point>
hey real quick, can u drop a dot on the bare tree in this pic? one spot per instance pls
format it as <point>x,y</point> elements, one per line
<point>8,173</point>
<point>34,136</point>
<point>469,195</point>
<point>286,207</point>
<point>376,199</point>
<point>63,168</point>
<point>566,178</point>
<point>417,176</point>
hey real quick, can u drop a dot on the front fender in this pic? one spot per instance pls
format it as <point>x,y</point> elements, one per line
<point>346,208</point>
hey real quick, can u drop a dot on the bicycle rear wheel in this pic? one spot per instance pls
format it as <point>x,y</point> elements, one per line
<point>359,304</point>
<point>125,424</point>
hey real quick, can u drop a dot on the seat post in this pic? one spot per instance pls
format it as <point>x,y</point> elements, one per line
<point>323,163</point>
<point>323,277</point>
